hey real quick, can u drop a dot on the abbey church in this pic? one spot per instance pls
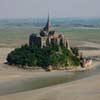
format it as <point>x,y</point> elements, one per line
<point>47,37</point>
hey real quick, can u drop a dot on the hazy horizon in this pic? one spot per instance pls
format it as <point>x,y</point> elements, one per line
<point>18,9</point>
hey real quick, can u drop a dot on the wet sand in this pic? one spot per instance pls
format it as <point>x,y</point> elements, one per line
<point>85,89</point>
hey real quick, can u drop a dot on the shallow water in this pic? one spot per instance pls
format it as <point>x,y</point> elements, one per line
<point>31,84</point>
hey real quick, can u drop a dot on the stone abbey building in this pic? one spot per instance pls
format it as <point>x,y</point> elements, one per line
<point>47,37</point>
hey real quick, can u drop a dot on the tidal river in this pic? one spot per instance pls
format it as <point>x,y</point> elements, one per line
<point>36,83</point>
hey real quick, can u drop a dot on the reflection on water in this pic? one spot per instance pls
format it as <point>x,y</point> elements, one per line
<point>37,83</point>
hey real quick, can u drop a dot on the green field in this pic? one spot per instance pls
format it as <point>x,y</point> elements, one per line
<point>14,37</point>
<point>82,34</point>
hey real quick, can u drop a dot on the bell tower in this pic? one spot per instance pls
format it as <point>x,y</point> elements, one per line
<point>47,26</point>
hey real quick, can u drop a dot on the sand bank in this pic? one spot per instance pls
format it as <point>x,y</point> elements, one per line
<point>88,89</point>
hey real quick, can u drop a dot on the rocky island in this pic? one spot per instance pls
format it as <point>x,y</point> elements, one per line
<point>48,49</point>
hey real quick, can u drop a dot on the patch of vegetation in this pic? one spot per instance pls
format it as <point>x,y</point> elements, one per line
<point>31,56</point>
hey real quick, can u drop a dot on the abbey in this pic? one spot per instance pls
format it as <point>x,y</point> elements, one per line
<point>47,37</point>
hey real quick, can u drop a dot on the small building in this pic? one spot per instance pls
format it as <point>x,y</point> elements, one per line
<point>34,40</point>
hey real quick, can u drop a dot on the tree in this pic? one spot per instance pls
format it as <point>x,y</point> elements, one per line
<point>75,51</point>
<point>36,56</point>
<point>22,57</point>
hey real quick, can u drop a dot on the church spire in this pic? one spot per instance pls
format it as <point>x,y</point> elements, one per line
<point>47,26</point>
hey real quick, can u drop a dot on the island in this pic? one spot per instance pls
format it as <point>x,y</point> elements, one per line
<point>49,50</point>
